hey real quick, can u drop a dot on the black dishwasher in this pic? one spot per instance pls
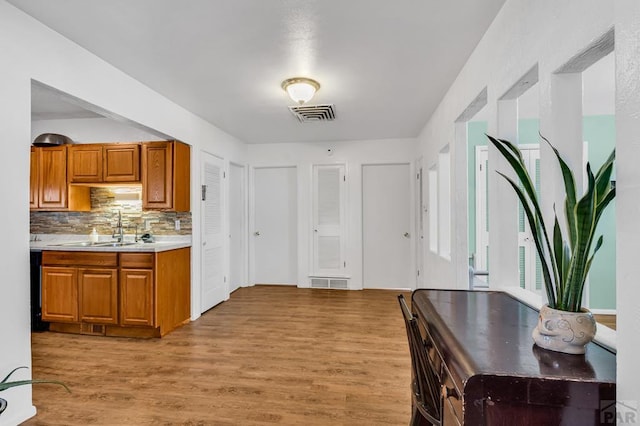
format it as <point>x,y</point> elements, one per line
<point>36,293</point>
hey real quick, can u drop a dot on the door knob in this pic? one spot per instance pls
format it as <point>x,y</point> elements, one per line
<point>406,235</point>
<point>257,233</point>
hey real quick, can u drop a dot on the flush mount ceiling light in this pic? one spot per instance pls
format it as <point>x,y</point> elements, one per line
<point>300,89</point>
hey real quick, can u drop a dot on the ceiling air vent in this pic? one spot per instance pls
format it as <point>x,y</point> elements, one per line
<point>310,113</point>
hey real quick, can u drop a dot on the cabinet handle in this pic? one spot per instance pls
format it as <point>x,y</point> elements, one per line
<point>449,392</point>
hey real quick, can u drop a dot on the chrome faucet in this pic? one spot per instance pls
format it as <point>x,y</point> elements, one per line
<point>118,232</point>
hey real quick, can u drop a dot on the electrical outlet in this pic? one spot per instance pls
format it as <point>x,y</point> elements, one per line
<point>177,223</point>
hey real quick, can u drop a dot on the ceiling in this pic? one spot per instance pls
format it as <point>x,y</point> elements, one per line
<point>48,104</point>
<point>385,65</point>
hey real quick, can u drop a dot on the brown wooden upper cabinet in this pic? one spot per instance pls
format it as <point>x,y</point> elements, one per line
<point>48,183</point>
<point>104,163</point>
<point>166,168</point>
<point>49,178</point>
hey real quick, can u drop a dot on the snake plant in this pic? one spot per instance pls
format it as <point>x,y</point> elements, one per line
<point>6,384</point>
<point>565,261</point>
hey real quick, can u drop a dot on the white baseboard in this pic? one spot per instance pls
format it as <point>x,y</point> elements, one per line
<point>603,311</point>
<point>17,417</point>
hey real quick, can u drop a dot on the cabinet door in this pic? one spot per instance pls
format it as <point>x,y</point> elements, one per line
<point>59,294</point>
<point>181,177</point>
<point>98,290</point>
<point>52,178</point>
<point>136,297</point>
<point>33,180</point>
<point>85,163</point>
<point>157,178</point>
<point>122,163</point>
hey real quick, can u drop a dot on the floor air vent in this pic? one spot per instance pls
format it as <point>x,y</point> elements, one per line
<point>322,282</point>
<point>310,113</point>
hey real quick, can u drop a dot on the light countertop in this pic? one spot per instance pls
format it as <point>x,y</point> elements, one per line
<point>54,241</point>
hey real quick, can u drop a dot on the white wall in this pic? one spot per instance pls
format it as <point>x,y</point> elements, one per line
<point>15,322</point>
<point>628,193</point>
<point>352,153</point>
<point>26,45</point>
<point>547,33</point>
<point>93,130</point>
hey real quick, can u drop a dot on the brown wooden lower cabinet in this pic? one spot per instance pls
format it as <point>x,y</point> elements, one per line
<point>136,297</point>
<point>98,295</point>
<point>60,291</point>
<point>116,294</point>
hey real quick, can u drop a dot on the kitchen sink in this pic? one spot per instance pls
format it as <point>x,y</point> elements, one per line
<point>76,244</point>
<point>98,244</point>
<point>113,244</point>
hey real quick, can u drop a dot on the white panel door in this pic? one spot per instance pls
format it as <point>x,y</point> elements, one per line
<point>214,287</point>
<point>237,229</point>
<point>275,230</point>
<point>386,219</point>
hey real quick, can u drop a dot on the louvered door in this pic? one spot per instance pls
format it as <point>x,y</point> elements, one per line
<point>329,219</point>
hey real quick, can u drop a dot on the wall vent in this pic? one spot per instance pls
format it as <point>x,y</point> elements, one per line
<point>325,282</point>
<point>311,113</point>
<point>93,329</point>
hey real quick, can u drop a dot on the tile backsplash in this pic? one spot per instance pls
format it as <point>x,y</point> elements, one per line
<point>105,204</point>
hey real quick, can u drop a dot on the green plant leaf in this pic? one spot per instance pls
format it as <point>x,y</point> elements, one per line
<point>513,155</point>
<point>537,238</point>
<point>568,261</point>
<point>5,384</point>
<point>585,226</point>
<point>10,373</point>
<point>570,191</point>
<point>588,267</point>
<point>558,253</point>
<point>603,177</point>
<point>608,197</point>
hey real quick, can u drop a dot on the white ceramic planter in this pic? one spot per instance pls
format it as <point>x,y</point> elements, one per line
<point>563,331</point>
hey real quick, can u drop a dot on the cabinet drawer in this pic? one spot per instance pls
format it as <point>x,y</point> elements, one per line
<point>137,260</point>
<point>79,258</point>
<point>451,396</point>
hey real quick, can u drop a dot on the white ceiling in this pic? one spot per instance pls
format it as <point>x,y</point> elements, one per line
<point>384,64</point>
<point>47,104</point>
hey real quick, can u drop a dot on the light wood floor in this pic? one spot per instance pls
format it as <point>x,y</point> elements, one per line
<point>608,320</point>
<point>268,356</point>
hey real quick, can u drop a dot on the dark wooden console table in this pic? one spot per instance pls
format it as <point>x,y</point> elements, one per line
<point>491,373</point>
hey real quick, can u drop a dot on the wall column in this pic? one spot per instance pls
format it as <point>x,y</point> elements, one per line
<point>627,51</point>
